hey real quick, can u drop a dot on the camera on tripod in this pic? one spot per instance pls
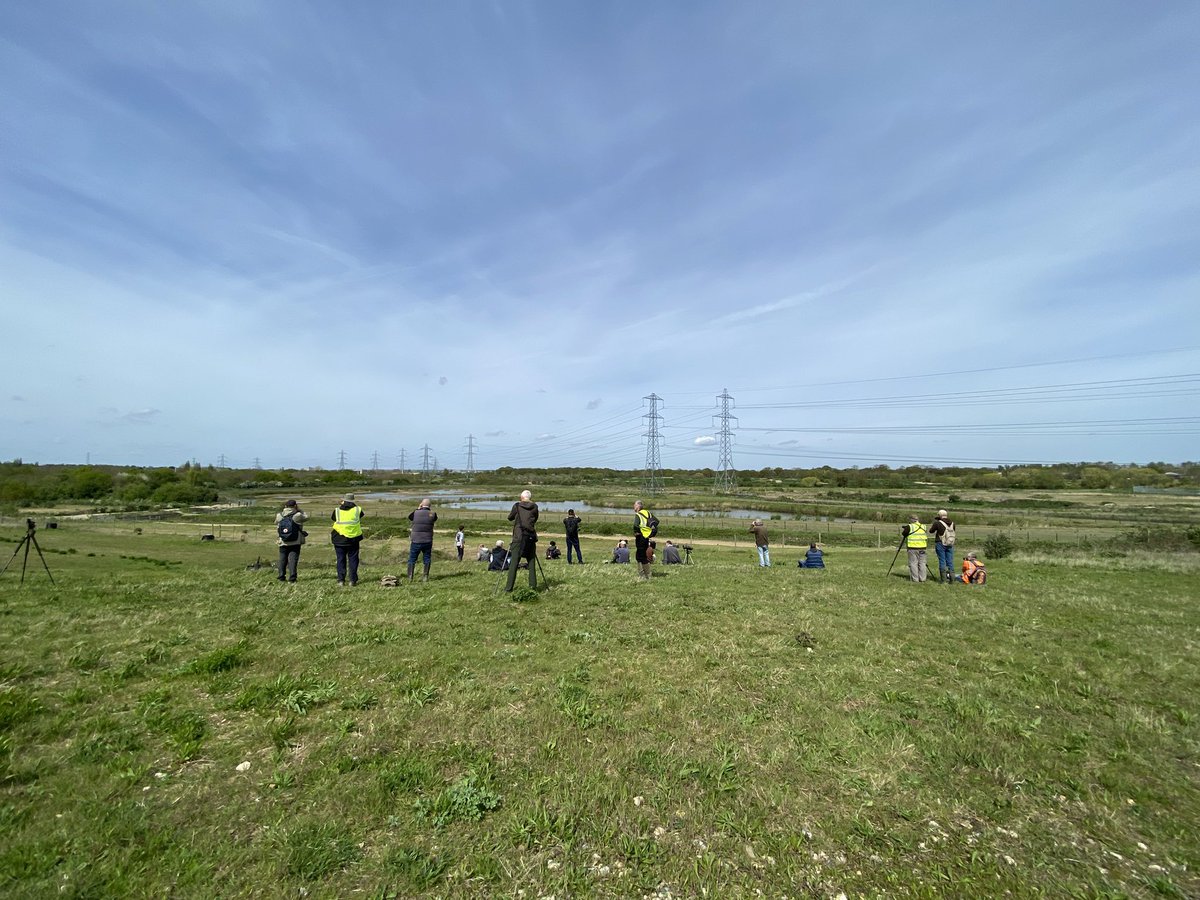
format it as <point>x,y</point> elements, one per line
<point>30,525</point>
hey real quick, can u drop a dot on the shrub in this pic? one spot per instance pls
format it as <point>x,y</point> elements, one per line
<point>998,546</point>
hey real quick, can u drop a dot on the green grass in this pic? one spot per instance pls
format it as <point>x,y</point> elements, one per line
<point>198,729</point>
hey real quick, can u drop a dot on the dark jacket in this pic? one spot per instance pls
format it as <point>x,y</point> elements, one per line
<point>937,528</point>
<point>813,559</point>
<point>524,516</point>
<point>571,524</point>
<point>497,559</point>
<point>422,526</point>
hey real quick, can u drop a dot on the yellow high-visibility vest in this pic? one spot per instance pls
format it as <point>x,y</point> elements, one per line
<point>643,522</point>
<point>348,522</point>
<point>918,537</point>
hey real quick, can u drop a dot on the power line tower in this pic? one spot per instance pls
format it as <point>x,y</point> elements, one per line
<point>425,462</point>
<point>470,455</point>
<point>403,468</point>
<point>341,459</point>
<point>653,483</point>
<point>726,479</point>
<point>375,461</point>
<point>221,461</point>
<point>257,463</point>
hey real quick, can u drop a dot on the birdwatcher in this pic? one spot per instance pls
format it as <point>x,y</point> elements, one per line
<point>497,557</point>
<point>552,551</point>
<point>484,554</point>
<point>289,524</point>
<point>524,516</point>
<point>671,555</point>
<point>813,559</point>
<point>941,532</point>
<point>916,539</point>
<point>346,536</point>
<point>571,525</point>
<point>761,543</point>
<point>645,526</point>
<point>460,541</point>
<point>621,552</point>
<point>973,571</point>
<point>420,538</point>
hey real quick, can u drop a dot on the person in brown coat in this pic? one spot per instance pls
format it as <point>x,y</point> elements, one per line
<point>761,542</point>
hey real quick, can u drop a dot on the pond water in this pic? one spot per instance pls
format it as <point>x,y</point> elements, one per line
<point>490,503</point>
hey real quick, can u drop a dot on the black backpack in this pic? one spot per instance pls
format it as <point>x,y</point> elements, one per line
<point>288,530</point>
<point>652,523</point>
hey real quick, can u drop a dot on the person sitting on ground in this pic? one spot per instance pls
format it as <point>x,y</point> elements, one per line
<point>973,571</point>
<point>498,559</point>
<point>650,552</point>
<point>484,554</point>
<point>813,559</point>
<point>671,555</point>
<point>621,551</point>
<point>552,551</point>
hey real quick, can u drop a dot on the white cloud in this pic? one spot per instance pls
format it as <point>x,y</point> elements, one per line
<point>704,441</point>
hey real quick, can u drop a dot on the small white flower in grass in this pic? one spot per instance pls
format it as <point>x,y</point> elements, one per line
<point>840,896</point>
<point>243,766</point>
<point>1154,867</point>
<point>160,774</point>
<point>553,864</point>
<point>1131,802</point>
<point>1010,860</point>
<point>639,800</point>
<point>659,831</point>
<point>146,788</point>
<point>1142,846</point>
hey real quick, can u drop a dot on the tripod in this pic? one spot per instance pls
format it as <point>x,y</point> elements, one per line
<point>30,538</point>
<point>513,559</point>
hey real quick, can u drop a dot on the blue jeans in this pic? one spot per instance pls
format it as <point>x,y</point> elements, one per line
<point>425,549</point>
<point>573,542</point>
<point>764,556</point>
<point>945,557</point>
<point>347,557</point>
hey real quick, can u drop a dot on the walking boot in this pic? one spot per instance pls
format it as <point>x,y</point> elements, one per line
<point>410,571</point>
<point>425,574</point>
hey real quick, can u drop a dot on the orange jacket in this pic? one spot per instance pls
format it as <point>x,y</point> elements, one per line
<point>973,572</point>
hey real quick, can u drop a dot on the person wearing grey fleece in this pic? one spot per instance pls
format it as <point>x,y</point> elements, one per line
<point>290,543</point>
<point>420,537</point>
<point>524,516</point>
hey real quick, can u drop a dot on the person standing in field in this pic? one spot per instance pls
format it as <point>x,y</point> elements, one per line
<point>346,536</point>
<point>761,543</point>
<point>571,524</point>
<point>941,530</point>
<point>916,538</point>
<point>289,524</point>
<point>524,516</point>
<point>420,538</point>
<point>645,526</point>
<point>460,541</point>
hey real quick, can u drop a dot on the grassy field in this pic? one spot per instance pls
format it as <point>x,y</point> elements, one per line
<point>175,723</point>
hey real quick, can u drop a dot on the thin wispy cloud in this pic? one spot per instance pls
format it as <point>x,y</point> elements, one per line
<point>557,205</point>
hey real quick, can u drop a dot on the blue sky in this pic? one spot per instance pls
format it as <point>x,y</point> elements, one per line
<point>896,233</point>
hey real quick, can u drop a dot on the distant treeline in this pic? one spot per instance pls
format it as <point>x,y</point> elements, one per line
<point>25,484</point>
